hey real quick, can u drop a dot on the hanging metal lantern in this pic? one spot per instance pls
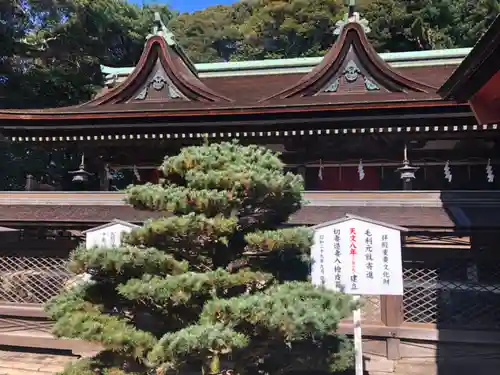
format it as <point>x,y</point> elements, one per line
<point>80,175</point>
<point>407,171</point>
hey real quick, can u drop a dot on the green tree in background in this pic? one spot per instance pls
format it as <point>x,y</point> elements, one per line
<point>473,20</point>
<point>217,285</point>
<point>211,35</point>
<point>61,44</point>
<point>284,29</point>
<point>261,29</point>
<point>399,25</point>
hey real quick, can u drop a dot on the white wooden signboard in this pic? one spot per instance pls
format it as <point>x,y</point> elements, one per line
<point>358,256</point>
<point>107,235</point>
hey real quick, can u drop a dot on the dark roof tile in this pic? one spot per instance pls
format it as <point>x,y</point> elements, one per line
<point>68,213</point>
<point>309,215</point>
<point>411,217</point>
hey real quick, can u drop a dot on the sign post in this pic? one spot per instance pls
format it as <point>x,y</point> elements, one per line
<point>358,256</point>
<point>358,339</point>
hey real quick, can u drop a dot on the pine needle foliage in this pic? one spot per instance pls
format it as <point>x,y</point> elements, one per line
<point>217,283</point>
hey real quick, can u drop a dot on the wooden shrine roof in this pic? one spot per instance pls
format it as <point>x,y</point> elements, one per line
<point>257,87</point>
<point>480,65</point>
<point>477,79</point>
<point>164,81</point>
<point>414,210</point>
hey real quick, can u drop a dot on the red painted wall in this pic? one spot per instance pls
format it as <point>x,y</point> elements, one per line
<point>347,178</point>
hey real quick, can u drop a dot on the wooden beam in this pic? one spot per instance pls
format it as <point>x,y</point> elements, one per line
<point>392,316</point>
<point>426,332</point>
<point>22,310</point>
<point>36,340</point>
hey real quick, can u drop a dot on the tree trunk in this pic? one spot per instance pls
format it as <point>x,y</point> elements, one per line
<point>212,365</point>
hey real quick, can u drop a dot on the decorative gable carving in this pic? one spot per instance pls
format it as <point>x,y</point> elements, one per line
<point>352,66</point>
<point>159,87</point>
<point>351,78</point>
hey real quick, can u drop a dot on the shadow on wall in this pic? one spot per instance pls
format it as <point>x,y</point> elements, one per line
<point>456,289</point>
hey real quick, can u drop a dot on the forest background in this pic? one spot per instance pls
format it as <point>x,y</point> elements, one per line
<point>51,50</point>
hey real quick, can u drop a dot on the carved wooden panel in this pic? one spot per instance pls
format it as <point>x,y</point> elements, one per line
<point>159,87</point>
<point>351,77</point>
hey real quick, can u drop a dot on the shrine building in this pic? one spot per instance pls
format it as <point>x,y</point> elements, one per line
<point>410,139</point>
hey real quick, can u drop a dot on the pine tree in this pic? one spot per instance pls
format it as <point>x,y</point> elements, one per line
<point>217,282</point>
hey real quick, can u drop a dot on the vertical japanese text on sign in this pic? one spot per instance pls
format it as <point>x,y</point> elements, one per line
<point>357,256</point>
<point>338,263</point>
<point>386,273</point>
<point>322,259</point>
<point>353,247</point>
<point>369,254</point>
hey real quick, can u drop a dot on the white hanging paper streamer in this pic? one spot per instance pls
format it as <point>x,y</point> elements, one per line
<point>361,170</point>
<point>490,175</point>
<point>109,176</point>
<point>136,173</point>
<point>447,171</point>
<point>320,170</point>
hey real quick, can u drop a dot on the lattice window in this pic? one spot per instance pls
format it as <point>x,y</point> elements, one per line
<point>29,279</point>
<point>453,293</point>
<point>370,311</point>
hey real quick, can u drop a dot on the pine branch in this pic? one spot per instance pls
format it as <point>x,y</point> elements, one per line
<point>113,333</point>
<point>70,302</point>
<point>205,340</point>
<point>293,311</point>
<point>182,289</point>
<point>226,156</point>
<point>289,239</point>
<point>179,200</point>
<point>246,183</point>
<point>79,319</point>
<point>127,260</point>
<point>189,232</point>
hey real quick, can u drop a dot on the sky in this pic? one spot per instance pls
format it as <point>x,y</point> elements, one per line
<point>189,5</point>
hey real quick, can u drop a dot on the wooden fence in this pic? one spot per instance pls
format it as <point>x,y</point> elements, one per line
<point>450,295</point>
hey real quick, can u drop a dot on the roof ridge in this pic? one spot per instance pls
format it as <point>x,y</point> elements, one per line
<point>302,64</point>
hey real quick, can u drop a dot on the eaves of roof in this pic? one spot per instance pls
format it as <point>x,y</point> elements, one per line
<point>476,69</point>
<point>361,102</point>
